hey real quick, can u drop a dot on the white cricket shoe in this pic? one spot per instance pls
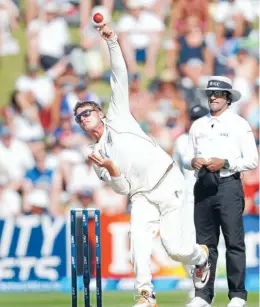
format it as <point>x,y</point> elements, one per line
<point>201,273</point>
<point>146,300</point>
<point>198,302</point>
<point>237,302</point>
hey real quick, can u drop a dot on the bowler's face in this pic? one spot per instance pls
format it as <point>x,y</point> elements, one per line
<point>88,117</point>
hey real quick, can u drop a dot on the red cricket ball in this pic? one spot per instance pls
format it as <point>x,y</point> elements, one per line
<point>98,18</point>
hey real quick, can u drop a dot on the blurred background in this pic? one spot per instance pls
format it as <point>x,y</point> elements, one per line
<point>51,56</point>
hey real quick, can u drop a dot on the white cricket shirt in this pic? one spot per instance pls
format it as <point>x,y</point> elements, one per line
<point>141,161</point>
<point>228,136</point>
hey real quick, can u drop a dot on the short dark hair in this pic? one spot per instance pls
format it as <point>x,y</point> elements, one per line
<point>81,104</point>
<point>229,98</point>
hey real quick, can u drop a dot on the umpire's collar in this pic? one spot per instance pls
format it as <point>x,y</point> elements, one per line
<point>222,117</point>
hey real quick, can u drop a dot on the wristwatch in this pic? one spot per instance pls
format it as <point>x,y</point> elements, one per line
<point>226,164</point>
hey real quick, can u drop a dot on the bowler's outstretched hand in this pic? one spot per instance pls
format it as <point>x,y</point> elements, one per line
<point>106,32</point>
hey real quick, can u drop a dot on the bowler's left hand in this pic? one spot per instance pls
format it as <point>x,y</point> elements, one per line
<point>100,160</point>
<point>215,164</point>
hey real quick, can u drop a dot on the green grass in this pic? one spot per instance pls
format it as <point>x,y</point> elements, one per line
<point>110,299</point>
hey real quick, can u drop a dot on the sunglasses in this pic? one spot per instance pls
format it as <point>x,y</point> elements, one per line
<point>216,93</point>
<point>85,113</point>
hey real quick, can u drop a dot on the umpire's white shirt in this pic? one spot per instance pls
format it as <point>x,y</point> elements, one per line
<point>142,163</point>
<point>228,136</point>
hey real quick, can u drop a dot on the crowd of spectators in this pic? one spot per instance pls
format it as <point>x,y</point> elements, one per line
<point>43,154</point>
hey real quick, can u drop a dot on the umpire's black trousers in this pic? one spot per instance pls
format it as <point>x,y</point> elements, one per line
<point>222,207</point>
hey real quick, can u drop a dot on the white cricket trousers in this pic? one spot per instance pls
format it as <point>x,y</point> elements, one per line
<point>162,209</point>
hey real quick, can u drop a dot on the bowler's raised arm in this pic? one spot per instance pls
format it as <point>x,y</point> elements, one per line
<point>119,103</point>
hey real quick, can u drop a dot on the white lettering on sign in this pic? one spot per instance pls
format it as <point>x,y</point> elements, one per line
<point>25,264</point>
<point>6,266</point>
<point>44,267</point>
<point>50,230</point>
<point>16,247</point>
<point>26,224</point>
<point>6,237</point>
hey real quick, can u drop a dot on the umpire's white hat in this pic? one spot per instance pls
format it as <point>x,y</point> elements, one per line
<point>220,83</point>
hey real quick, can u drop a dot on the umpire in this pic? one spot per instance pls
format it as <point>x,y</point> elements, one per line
<point>221,146</point>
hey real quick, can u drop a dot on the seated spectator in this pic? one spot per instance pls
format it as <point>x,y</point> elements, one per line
<point>169,98</point>
<point>63,85</point>
<point>183,9</point>
<point>70,10</point>
<point>139,33</point>
<point>80,92</point>
<point>43,178</point>
<point>140,100</point>
<point>85,199</point>
<point>24,113</point>
<point>67,134</point>
<point>8,22</point>
<point>160,7</point>
<point>158,131</point>
<point>48,35</point>
<point>10,200</point>
<point>251,111</point>
<point>15,158</point>
<point>237,16</point>
<point>88,178</point>
<point>221,48</point>
<point>245,66</point>
<point>170,102</point>
<point>194,61</point>
<point>246,71</point>
<point>61,153</point>
<point>37,202</point>
<point>39,176</point>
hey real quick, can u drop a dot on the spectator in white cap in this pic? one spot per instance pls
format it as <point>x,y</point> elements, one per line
<point>37,202</point>
<point>221,146</point>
